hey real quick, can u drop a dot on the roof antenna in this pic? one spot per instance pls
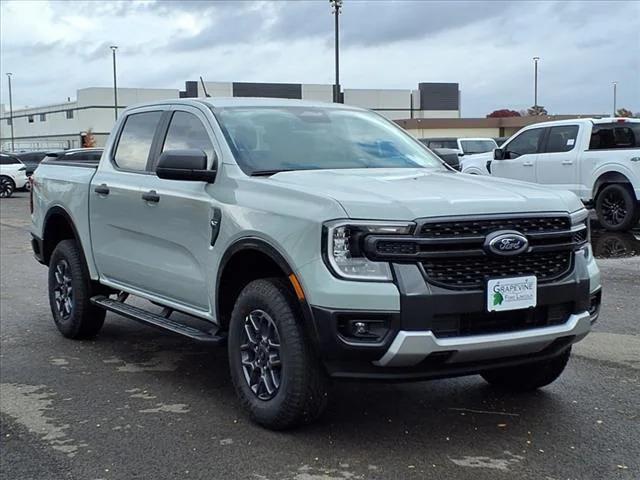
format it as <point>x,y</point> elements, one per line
<point>206,94</point>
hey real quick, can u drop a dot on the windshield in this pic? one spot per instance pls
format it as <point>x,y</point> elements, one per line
<point>272,139</point>
<point>477,146</point>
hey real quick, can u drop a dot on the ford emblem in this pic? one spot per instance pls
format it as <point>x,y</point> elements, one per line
<point>506,243</point>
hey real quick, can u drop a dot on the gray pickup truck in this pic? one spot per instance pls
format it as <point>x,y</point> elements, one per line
<point>314,241</point>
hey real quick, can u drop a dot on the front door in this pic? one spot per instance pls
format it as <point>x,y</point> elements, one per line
<point>520,156</point>
<point>557,162</point>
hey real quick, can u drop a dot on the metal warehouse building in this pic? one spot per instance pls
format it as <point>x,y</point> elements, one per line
<point>62,125</point>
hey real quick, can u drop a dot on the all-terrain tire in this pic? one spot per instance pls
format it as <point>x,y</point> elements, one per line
<point>529,377</point>
<point>302,393</point>
<point>70,291</point>
<point>617,208</point>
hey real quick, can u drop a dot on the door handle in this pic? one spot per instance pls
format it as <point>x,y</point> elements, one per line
<point>567,162</point>
<point>151,196</point>
<point>527,164</point>
<point>102,189</point>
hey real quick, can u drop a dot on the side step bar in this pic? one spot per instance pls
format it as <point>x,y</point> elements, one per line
<point>158,321</point>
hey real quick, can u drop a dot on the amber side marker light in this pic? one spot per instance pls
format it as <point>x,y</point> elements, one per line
<point>296,286</point>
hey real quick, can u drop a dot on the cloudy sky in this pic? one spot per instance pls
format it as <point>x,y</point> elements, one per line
<point>54,48</point>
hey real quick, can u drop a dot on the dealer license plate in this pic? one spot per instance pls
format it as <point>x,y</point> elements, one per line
<point>511,293</point>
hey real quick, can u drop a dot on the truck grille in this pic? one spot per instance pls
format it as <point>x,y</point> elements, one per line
<point>453,254</point>
<point>471,272</point>
<point>473,228</point>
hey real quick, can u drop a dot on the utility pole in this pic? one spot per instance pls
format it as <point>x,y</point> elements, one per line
<point>337,7</point>
<point>615,94</point>
<point>115,84</point>
<point>535,81</point>
<point>11,111</point>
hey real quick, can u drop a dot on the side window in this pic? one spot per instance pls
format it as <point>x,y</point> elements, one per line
<point>525,143</point>
<point>133,147</point>
<point>185,132</point>
<point>608,136</point>
<point>562,139</point>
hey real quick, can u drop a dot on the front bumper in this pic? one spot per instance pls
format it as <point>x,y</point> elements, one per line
<point>415,347</point>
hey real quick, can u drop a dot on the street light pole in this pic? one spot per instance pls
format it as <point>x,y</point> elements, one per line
<point>11,111</point>
<point>337,6</point>
<point>115,84</point>
<point>535,81</point>
<point>615,93</point>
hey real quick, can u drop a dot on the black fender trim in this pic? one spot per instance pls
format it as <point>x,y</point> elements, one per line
<point>58,210</point>
<point>262,246</point>
<point>606,178</point>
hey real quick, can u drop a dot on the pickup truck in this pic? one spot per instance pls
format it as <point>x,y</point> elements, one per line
<point>314,241</point>
<point>597,159</point>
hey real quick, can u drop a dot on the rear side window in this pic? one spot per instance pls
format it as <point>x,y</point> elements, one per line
<point>562,138</point>
<point>135,141</point>
<point>525,143</point>
<point>608,136</point>
<point>186,131</point>
<point>8,160</point>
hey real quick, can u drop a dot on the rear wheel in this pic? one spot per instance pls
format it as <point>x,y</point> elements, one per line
<point>531,376</point>
<point>278,379</point>
<point>6,187</point>
<point>70,290</point>
<point>617,207</point>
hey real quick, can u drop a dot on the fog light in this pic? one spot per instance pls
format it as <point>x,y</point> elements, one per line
<point>350,327</point>
<point>360,328</point>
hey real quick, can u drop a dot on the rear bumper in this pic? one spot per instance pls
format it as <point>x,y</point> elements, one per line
<point>421,341</point>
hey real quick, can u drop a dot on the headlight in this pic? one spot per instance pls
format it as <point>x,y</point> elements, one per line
<point>581,227</point>
<point>343,248</point>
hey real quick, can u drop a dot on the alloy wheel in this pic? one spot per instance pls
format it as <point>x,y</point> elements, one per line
<point>62,290</point>
<point>614,208</point>
<point>6,189</point>
<point>260,355</point>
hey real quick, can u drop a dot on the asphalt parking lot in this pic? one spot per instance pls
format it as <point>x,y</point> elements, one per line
<point>136,403</point>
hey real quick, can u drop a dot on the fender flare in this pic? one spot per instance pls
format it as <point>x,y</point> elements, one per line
<point>264,247</point>
<point>58,210</point>
<point>611,176</point>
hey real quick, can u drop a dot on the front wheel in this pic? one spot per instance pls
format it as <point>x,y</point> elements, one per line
<point>531,376</point>
<point>6,187</point>
<point>617,208</point>
<point>70,290</point>
<point>277,377</point>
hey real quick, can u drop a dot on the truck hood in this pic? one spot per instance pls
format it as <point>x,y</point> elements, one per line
<point>407,194</point>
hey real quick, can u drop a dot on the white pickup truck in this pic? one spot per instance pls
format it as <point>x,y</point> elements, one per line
<point>597,159</point>
<point>360,257</point>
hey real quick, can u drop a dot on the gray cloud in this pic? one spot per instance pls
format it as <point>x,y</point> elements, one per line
<point>485,46</point>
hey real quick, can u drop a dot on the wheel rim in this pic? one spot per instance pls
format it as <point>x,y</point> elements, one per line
<point>5,188</point>
<point>260,355</point>
<point>62,290</point>
<point>614,208</point>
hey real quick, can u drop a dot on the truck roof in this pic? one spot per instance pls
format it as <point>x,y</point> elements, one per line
<point>573,121</point>
<point>226,102</point>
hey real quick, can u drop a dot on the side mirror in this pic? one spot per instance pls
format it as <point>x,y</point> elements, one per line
<point>189,165</point>
<point>499,154</point>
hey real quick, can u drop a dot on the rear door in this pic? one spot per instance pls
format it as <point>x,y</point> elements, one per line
<point>521,154</point>
<point>557,162</point>
<point>117,211</point>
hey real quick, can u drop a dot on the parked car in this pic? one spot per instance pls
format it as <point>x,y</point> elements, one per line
<point>31,160</point>
<point>465,146</point>
<point>597,159</point>
<point>12,174</point>
<point>450,156</point>
<point>363,257</point>
<point>74,155</point>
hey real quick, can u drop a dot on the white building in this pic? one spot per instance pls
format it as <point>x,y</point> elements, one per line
<point>62,125</point>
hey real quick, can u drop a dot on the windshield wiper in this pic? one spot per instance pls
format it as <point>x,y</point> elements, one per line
<point>268,173</point>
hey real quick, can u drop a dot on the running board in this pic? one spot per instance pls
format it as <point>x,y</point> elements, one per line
<point>158,321</point>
